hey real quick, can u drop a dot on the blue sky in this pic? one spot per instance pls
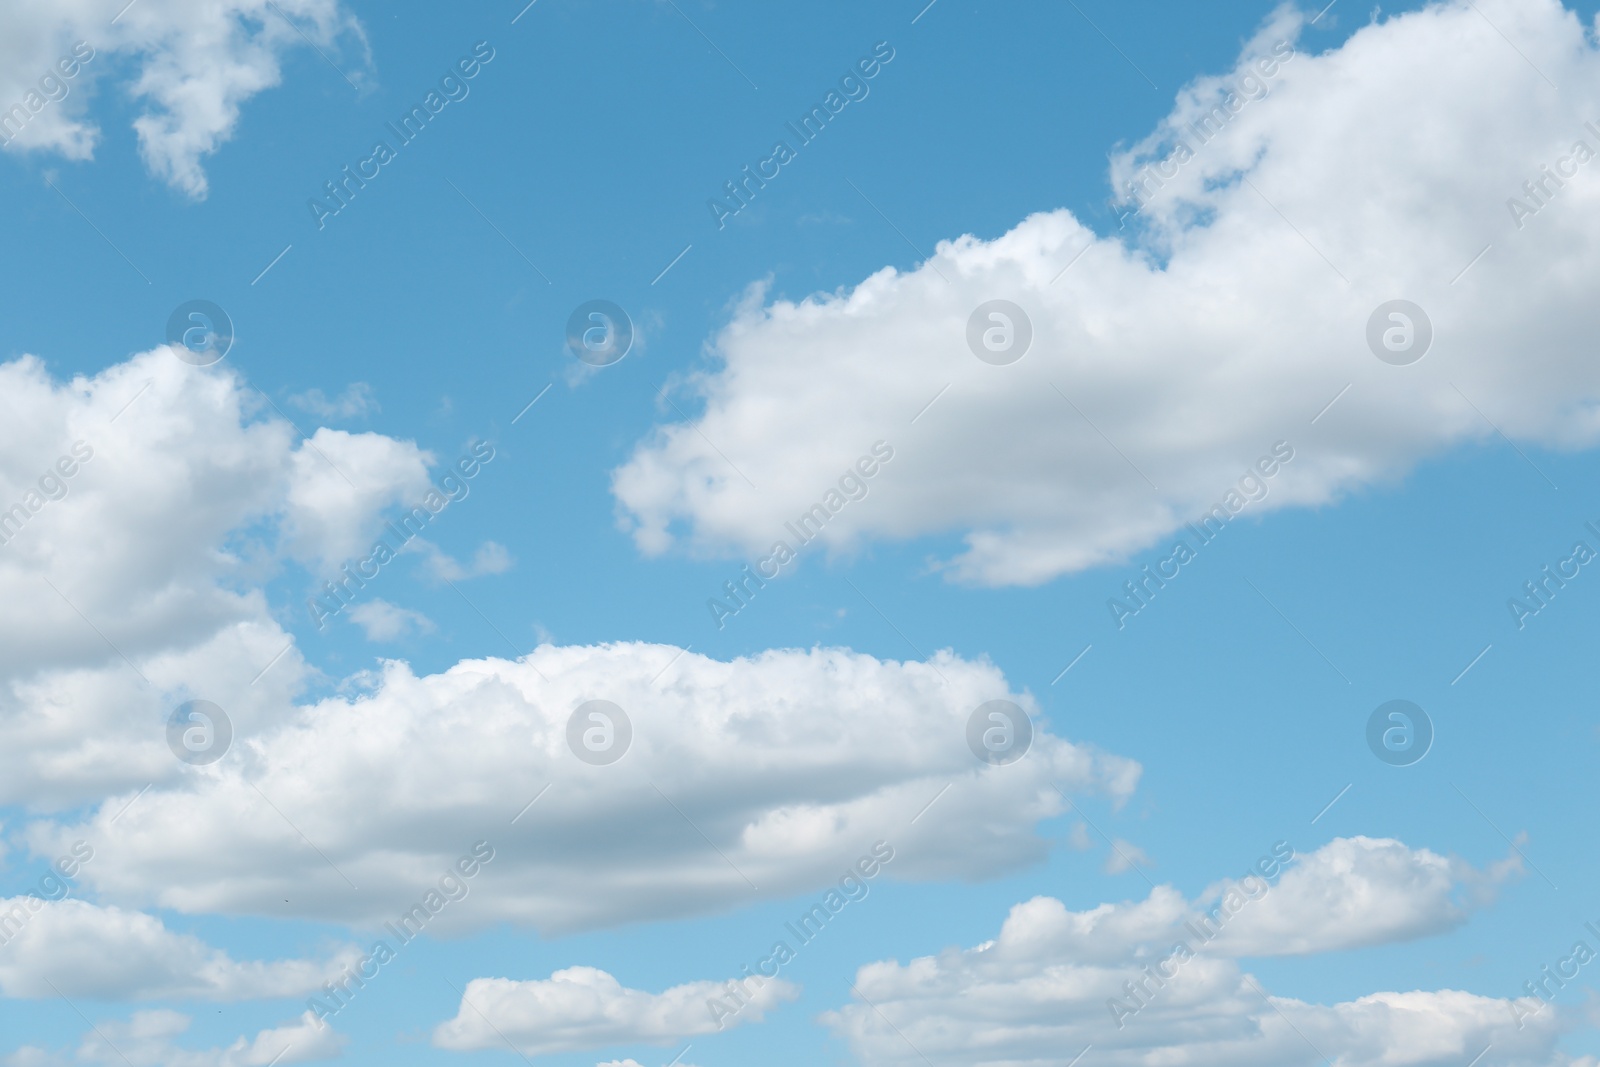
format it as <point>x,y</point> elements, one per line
<point>425,316</point>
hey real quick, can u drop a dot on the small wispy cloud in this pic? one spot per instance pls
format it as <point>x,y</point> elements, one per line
<point>490,558</point>
<point>383,621</point>
<point>1125,856</point>
<point>357,401</point>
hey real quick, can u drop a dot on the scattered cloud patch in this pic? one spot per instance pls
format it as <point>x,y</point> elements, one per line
<point>583,1008</point>
<point>189,66</point>
<point>76,949</point>
<point>150,1039</point>
<point>490,558</point>
<point>383,621</point>
<point>1158,980</point>
<point>357,401</point>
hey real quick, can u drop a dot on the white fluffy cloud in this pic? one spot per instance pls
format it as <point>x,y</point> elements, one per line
<point>76,949</point>
<point>1177,358</point>
<point>585,1008</point>
<point>190,64</point>
<point>183,496</point>
<point>1044,989</point>
<point>1359,891</point>
<point>149,1039</point>
<point>340,483</point>
<point>790,763</point>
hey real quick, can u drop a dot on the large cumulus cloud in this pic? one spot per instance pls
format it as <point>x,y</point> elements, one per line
<point>1168,356</point>
<point>744,780</point>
